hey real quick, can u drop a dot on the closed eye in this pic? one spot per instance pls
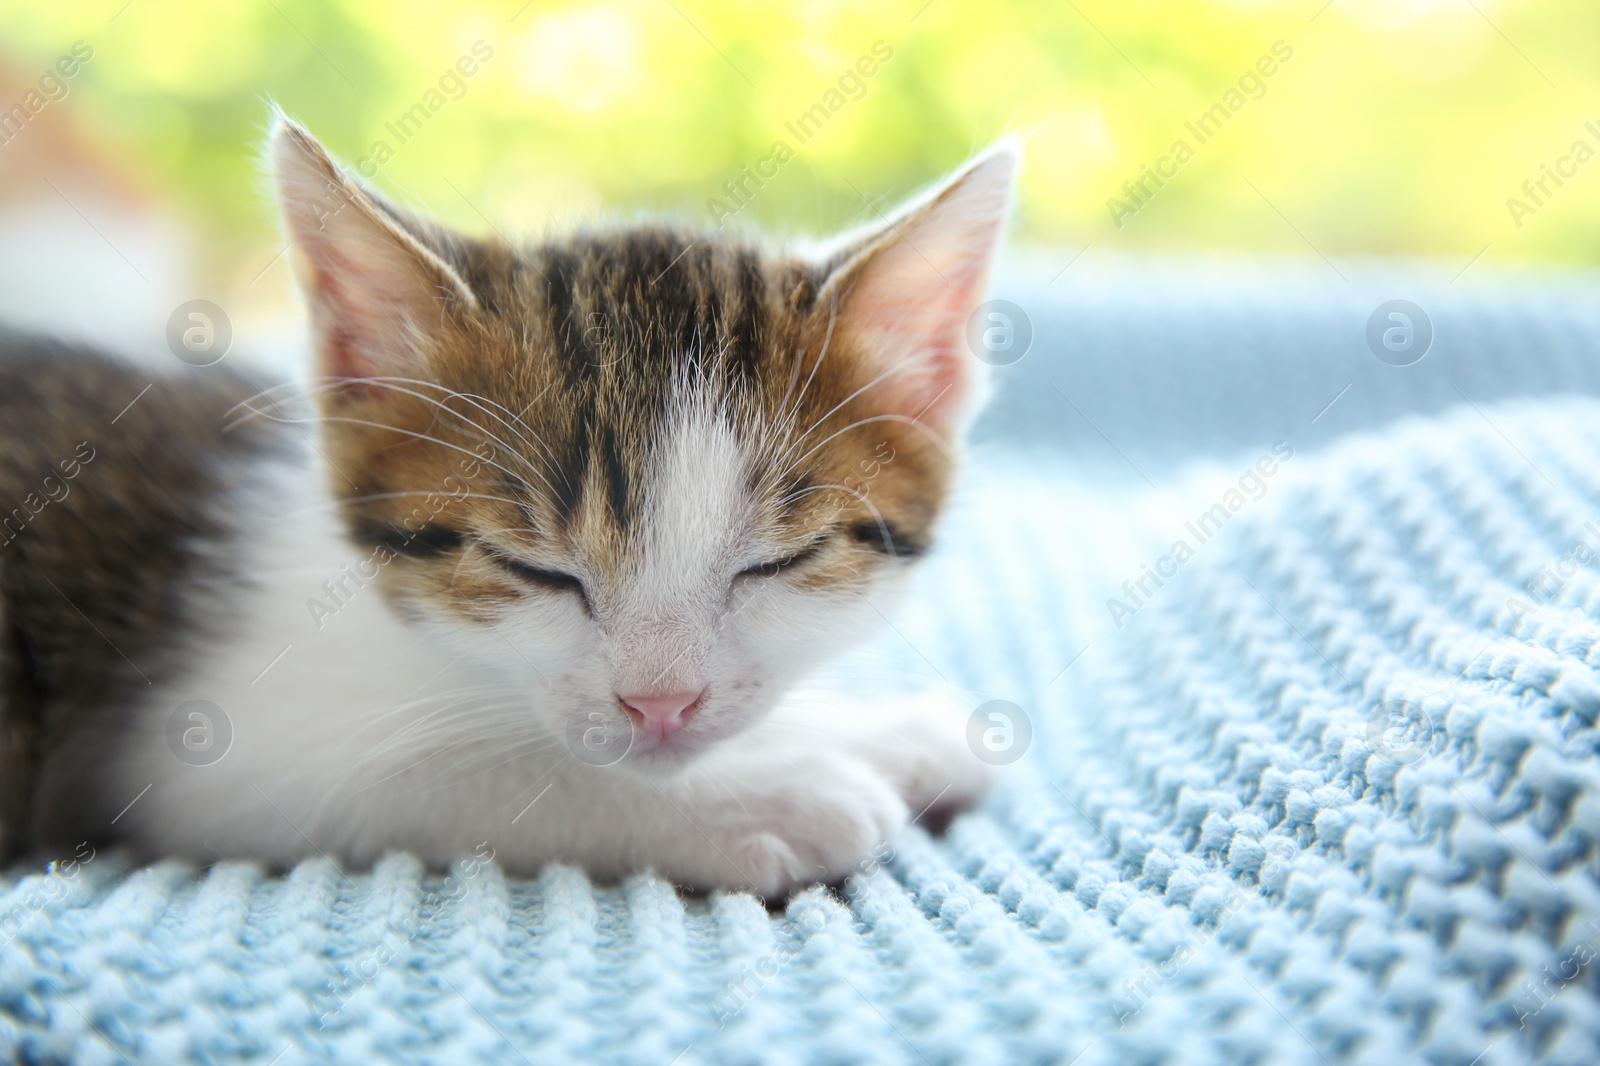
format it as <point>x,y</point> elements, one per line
<point>549,580</point>
<point>778,566</point>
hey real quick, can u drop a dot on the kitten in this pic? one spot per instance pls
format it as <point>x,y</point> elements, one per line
<point>533,563</point>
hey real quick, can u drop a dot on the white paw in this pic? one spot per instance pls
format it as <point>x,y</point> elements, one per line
<point>823,791</point>
<point>919,742</point>
<point>822,819</point>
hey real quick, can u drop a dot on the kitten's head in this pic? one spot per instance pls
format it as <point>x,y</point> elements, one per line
<point>652,473</point>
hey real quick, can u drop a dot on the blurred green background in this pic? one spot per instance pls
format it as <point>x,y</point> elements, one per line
<point>1395,127</point>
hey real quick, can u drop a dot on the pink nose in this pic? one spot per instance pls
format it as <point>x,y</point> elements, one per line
<point>663,715</point>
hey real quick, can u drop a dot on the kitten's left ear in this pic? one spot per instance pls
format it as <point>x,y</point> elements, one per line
<point>903,295</point>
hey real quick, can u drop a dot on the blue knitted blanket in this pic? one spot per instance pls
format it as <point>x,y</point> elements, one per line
<point>1303,768</point>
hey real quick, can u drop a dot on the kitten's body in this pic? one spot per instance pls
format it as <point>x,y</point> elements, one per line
<point>110,519</point>
<point>547,488</point>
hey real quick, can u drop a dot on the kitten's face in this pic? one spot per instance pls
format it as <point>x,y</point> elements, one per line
<point>653,475</point>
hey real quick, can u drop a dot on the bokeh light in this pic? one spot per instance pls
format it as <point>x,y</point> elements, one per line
<point>1393,127</point>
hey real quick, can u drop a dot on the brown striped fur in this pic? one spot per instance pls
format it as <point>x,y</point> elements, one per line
<point>109,478</point>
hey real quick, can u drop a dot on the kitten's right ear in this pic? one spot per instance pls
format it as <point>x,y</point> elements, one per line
<point>376,292</point>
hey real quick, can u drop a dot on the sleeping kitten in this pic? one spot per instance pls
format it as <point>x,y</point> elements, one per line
<point>532,563</point>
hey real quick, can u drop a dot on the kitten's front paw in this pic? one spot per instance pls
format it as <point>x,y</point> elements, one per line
<point>920,743</point>
<point>823,824</point>
<point>853,776</point>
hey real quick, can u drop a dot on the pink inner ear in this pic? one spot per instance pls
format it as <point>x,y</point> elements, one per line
<point>942,385</point>
<point>343,323</point>
<point>932,382</point>
<point>340,358</point>
<point>910,295</point>
<point>925,326</point>
<point>361,301</point>
<point>346,325</point>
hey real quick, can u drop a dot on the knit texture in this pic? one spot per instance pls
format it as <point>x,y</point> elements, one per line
<point>1328,793</point>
